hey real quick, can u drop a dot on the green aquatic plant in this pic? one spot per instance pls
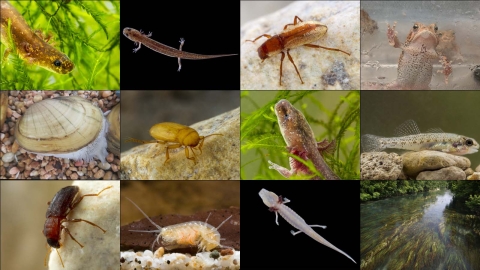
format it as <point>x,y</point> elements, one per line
<point>261,139</point>
<point>86,31</point>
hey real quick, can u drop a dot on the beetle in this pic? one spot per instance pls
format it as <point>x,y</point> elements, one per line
<point>177,134</point>
<point>64,201</point>
<point>293,35</point>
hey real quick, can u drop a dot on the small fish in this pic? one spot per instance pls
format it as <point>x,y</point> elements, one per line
<point>409,138</point>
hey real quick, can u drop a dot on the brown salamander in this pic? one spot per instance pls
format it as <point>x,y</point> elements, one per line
<point>30,47</point>
<point>300,140</point>
<point>140,38</point>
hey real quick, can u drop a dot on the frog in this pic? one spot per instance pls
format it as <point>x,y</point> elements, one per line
<point>415,67</point>
<point>447,45</point>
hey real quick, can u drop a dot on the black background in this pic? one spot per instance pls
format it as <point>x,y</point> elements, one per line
<point>206,26</point>
<point>334,204</point>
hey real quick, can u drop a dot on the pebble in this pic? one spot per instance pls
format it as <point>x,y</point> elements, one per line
<point>74,176</point>
<point>108,176</point>
<point>110,157</point>
<point>34,173</point>
<point>99,174</point>
<point>477,169</point>
<point>106,94</point>
<point>37,98</point>
<point>49,167</point>
<point>416,162</point>
<point>8,157</point>
<point>104,166</point>
<point>13,171</point>
<point>448,173</point>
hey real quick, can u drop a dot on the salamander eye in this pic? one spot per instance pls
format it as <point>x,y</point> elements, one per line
<point>57,63</point>
<point>469,142</point>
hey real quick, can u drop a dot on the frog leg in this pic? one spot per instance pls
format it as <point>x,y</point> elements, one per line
<point>392,36</point>
<point>447,67</point>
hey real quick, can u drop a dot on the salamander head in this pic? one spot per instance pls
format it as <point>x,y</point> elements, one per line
<point>270,199</point>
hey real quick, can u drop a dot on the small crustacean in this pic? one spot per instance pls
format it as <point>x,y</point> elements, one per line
<point>186,234</point>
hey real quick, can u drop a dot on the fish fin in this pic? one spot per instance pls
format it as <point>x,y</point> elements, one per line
<point>326,147</point>
<point>434,130</point>
<point>409,127</point>
<point>371,143</point>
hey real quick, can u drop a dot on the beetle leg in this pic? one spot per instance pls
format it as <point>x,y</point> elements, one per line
<point>77,201</point>
<point>172,146</point>
<point>291,60</point>
<point>326,48</point>
<point>264,35</point>
<point>191,158</point>
<point>48,252</point>
<point>66,229</point>
<point>281,64</point>
<point>295,21</point>
<point>89,222</point>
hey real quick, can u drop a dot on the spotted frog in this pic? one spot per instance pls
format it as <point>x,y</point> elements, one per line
<point>415,63</point>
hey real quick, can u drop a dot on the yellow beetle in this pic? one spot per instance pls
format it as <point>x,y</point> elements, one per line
<point>177,134</point>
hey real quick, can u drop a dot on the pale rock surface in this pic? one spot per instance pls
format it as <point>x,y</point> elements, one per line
<point>380,166</point>
<point>448,173</point>
<point>343,22</point>
<point>100,249</point>
<point>474,176</point>
<point>220,158</point>
<point>416,162</point>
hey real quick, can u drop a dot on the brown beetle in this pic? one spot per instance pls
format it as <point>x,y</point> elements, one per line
<point>62,203</point>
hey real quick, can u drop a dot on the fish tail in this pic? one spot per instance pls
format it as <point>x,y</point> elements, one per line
<point>371,143</point>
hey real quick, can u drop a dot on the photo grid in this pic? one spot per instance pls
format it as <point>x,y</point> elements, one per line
<point>380,95</point>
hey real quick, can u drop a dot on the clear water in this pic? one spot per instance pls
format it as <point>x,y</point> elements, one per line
<point>420,231</point>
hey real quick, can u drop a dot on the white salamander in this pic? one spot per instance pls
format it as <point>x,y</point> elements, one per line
<point>277,205</point>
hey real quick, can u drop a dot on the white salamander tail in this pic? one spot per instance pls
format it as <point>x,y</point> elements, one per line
<point>371,143</point>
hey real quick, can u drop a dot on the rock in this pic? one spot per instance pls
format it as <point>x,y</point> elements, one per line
<point>477,169</point>
<point>343,22</point>
<point>103,210</point>
<point>380,166</point>
<point>8,157</point>
<point>220,158</point>
<point>448,173</point>
<point>416,162</point>
<point>469,171</point>
<point>474,176</point>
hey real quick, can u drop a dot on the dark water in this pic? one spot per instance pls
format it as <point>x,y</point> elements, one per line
<point>418,232</point>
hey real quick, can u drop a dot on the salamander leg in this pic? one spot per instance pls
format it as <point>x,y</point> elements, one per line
<point>282,170</point>
<point>321,226</point>
<point>179,59</point>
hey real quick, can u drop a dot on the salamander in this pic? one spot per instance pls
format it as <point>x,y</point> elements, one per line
<point>29,45</point>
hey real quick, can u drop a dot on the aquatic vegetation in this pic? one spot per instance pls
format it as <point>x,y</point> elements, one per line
<point>418,232</point>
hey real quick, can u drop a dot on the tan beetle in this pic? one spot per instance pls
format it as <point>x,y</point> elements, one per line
<point>177,134</point>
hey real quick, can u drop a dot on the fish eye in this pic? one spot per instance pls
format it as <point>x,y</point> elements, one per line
<point>469,142</point>
<point>57,63</point>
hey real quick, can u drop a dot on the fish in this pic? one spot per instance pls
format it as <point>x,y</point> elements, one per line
<point>409,137</point>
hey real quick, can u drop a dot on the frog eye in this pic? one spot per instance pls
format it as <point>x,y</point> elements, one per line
<point>57,63</point>
<point>436,28</point>
<point>469,142</point>
<point>415,26</point>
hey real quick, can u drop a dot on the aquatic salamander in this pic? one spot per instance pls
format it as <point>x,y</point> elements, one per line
<point>300,140</point>
<point>140,38</point>
<point>30,47</point>
<point>277,204</point>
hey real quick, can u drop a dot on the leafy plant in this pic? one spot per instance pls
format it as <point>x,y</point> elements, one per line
<point>86,31</point>
<point>332,116</point>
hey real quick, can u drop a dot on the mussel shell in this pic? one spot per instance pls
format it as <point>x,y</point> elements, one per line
<point>3,107</point>
<point>113,135</point>
<point>59,125</point>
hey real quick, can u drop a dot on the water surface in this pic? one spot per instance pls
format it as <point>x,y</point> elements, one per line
<point>418,232</point>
